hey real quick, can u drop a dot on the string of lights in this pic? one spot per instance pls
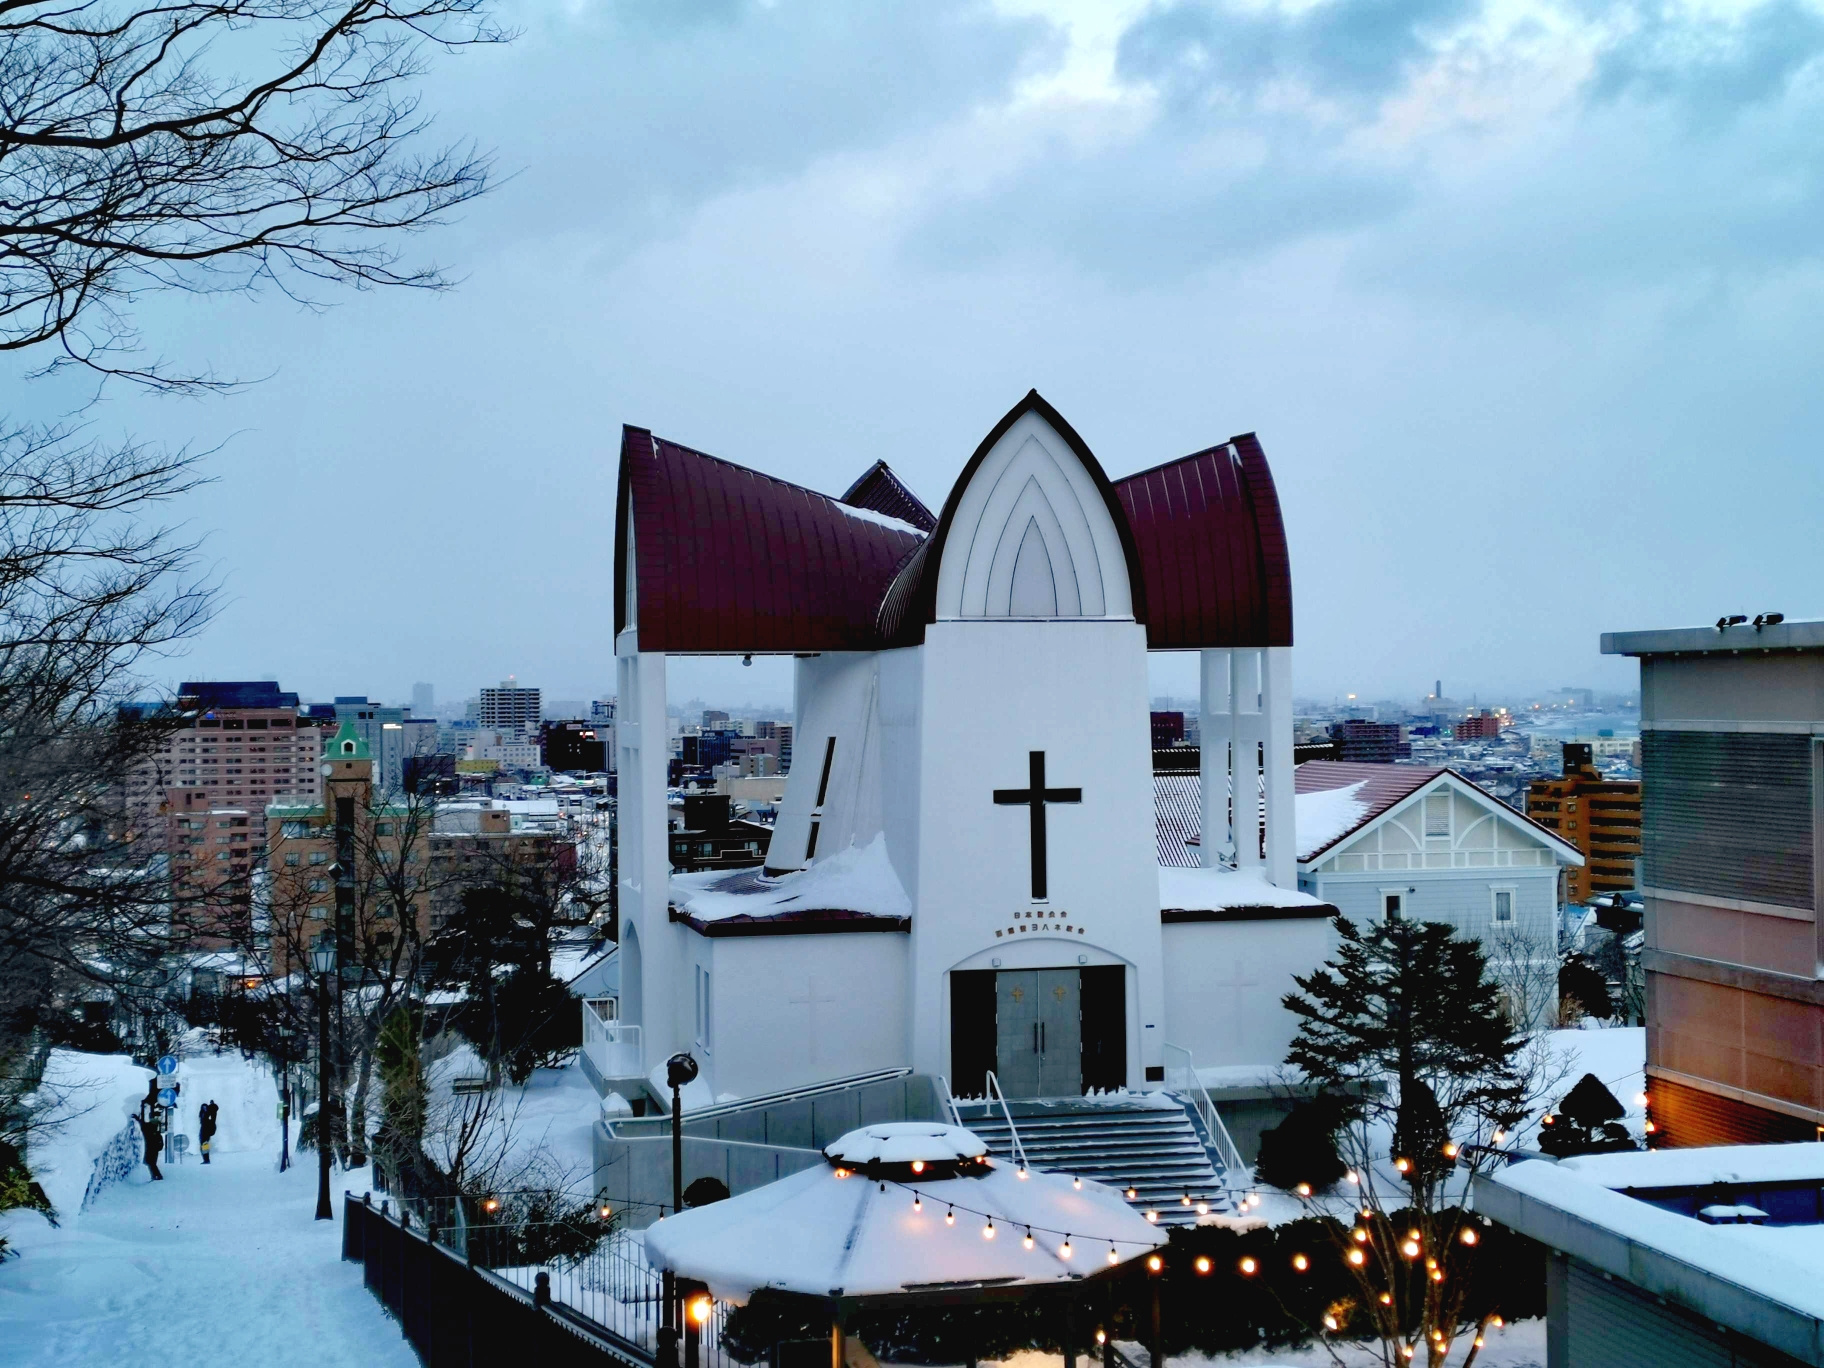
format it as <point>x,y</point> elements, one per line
<point>989,1230</point>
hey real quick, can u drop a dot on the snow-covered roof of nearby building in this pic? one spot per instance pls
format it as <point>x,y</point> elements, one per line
<point>1575,1205</point>
<point>904,1142</point>
<point>1230,894</point>
<point>1343,797</point>
<point>828,1236</point>
<point>856,886</point>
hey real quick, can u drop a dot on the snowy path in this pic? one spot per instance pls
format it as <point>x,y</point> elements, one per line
<point>218,1265</point>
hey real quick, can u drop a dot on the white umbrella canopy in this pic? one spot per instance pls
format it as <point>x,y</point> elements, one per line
<point>902,1207</point>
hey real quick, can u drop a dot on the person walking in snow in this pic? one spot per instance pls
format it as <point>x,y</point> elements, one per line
<point>153,1132</point>
<point>205,1126</point>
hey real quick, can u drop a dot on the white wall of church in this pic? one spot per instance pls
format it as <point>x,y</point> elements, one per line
<point>790,1010</point>
<point>1224,982</point>
<point>1032,537</point>
<point>992,692</point>
<point>837,700</point>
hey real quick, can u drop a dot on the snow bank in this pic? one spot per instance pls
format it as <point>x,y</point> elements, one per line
<point>858,879</point>
<point>1215,890</point>
<point>248,1098</point>
<point>88,1100</point>
<point>1324,816</point>
<point>1698,1167</point>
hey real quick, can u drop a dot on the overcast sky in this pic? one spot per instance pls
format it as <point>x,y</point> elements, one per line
<point>1523,300</point>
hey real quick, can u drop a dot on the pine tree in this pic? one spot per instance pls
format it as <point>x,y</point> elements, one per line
<point>1588,1121</point>
<point>1404,1030</point>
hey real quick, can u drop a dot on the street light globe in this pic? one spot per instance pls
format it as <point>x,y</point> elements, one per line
<point>680,1069</point>
<point>323,955</point>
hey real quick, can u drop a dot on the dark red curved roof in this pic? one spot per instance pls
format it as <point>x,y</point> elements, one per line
<point>884,492</point>
<point>1212,549</point>
<point>733,561</point>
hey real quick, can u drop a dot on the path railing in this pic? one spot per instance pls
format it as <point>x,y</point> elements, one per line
<point>1181,1078</point>
<point>124,1153</point>
<point>476,1292</point>
<point>994,1095</point>
<point>613,1047</point>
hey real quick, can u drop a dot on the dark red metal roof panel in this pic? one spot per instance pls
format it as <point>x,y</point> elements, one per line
<point>884,492</point>
<point>1212,549</point>
<point>732,561</point>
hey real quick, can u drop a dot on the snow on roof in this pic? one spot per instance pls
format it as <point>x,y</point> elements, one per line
<point>1326,815</point>
<point>859,879</point>
<point>881,519</point>
<point>902,1142</point>
<point>822,1235</point>
<point>1222,890</point>
<point>1783,1264</point>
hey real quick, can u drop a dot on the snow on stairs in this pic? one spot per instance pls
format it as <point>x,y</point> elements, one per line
<point>1147,1143</point>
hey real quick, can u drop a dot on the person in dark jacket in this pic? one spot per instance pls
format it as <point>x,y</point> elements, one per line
<point>205,1126</point>
<point>153,1131</point>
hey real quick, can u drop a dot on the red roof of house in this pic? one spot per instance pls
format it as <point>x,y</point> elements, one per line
<point>730,561</point>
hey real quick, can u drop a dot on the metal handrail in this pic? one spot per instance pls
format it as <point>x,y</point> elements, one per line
<point>994,1094</point>
<point>1212,1119</point>
<point>946,1102</point>
<point>793,1094</point>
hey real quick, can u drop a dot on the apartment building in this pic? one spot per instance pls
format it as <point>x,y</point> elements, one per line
<point>236,744</point>
<point>1600,816</point>
<point>1732,730</point>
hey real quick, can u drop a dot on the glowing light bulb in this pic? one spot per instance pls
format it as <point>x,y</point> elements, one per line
<point>1154,1263</point>
<point>1064,1249</point>
<point>1497,1322</point>
<point>918,1166</point>
<point>1203,1208</point>
<point>1028,1241</point>
<point>1361,1236</point>
<point>1131,1194</point>
<point>1469,1236</point>
<point>1153,1217</point>
<point>1203,1263</point>
<point>1330,1323</point>
<point>1185,1200</point>
<point>700,1308</point>
<point>1450,1150</point>
<point>1402,1165</point>
<point>606,1213</point>
<point>950,1216</point>
<point>842,1173</point>
<point>1410,1249</point>
<point>1386,1299</point>
<point>918,1203</point>
<point>1113,1257</point>
<point>1352,1176</point>
<point>988,1231</point>
<point>1300,1262</point>
<point>1478,1341</point>
<point>1077,1183</point>
<point>1303,1189</point>
<point>1357,1258</point>
<point>1437,1275</point>
<point>1640,1099</point>
<point>1248,1265</point>
<point>1500,1136</point>
<point>1022,1171</point>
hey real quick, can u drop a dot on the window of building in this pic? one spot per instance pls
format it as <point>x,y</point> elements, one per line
<point>291,860</point>
<point>316,885</point>
<point>292,830</point>
<point>383,828</point>
<point>319,857</point>
<point>703,1012</point>
<point>1437,814</point>
<point>1504,906</point>
<point>1393,904</point>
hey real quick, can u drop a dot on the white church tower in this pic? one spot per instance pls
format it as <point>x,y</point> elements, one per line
<point>965,876</point>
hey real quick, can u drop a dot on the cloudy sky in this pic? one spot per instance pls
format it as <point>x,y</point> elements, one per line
<point>1523,299</point>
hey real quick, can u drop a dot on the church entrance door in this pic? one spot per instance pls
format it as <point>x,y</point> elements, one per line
<point>1038,1023</point>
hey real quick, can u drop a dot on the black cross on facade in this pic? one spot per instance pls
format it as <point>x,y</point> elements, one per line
<point>1035,796</point>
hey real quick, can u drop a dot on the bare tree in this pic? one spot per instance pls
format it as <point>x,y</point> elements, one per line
<point>1526,969</point>
<point>212,145</point>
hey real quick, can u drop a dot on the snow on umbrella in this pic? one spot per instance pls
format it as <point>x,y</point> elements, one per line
<point>903,1207</point>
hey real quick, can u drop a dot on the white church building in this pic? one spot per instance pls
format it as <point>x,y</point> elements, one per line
<point>964,876</point>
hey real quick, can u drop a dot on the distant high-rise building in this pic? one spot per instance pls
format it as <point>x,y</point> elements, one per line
<point>715,720</point>
<point>1375,743</point>
<point>575,745</point>
<point>239,744</point>
<point>511,708</point>
<point>1168,729</point>
<point>602,710</point>
<point>1478,728</point>
<point>424,700</point>
<point>381,727</point>
<point>1601,817</point>
<point>782,733</point>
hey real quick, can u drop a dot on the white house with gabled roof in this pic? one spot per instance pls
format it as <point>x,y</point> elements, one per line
<point>1380,841</point>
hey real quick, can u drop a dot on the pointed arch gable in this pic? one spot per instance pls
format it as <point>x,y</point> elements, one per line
<point>1032,503</point>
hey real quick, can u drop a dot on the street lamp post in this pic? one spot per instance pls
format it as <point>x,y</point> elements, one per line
<point>323,962</point>
<point>286,1033</point>
<point>679,1070</point>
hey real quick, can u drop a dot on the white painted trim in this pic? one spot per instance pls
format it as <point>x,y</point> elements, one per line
<point>1759,909</point>
<point>1493,806</point>
<point>1386,893</point>
<point>1513,894</point>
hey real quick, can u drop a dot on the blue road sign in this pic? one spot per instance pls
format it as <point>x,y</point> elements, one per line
<point>167,1097</point>
<point>167,1064</point>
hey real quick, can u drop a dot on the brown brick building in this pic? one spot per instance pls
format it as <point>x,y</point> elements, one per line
<point>1732,730</point>
<point>1601,817</point>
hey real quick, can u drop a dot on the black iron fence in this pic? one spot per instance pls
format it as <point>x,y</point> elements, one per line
<point>463,1285</point>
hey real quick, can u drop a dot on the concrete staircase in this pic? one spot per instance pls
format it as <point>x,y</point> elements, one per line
<point>1144,1142</point>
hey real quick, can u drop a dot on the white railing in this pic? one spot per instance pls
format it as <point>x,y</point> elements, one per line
<point>611,1046</point>
<point>947,1104</point>
<point>994,1094</point>
<point>1182,1079</point>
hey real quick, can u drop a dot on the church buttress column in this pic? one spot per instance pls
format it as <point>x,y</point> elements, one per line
<point>1215,724</point>
<point>1276,725</point>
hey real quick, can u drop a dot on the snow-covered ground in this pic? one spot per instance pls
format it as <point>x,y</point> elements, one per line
<point>221,1265</point>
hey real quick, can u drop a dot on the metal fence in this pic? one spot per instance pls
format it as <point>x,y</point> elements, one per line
<point>460,1281</point>
<point>124,1153</point>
